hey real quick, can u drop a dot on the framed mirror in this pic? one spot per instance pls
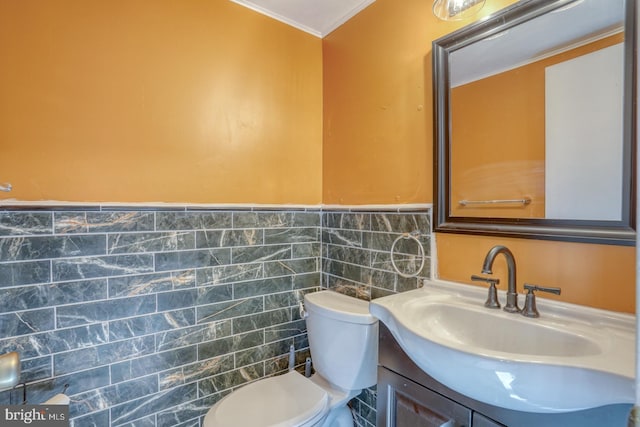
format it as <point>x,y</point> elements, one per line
<point>535,128</point>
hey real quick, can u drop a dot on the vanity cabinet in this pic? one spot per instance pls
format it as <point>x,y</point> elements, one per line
<point>408,397</point>
<point>480,420</point>
<point>409,404</point>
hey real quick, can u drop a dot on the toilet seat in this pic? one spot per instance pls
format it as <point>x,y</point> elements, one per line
<point>281,401</point>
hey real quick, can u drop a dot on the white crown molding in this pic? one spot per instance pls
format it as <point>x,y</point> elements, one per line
<point>277,17</point>
<point>329,23</point>
<point>353,12</point>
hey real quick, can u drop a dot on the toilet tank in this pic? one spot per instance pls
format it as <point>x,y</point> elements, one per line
<point>343,337</point>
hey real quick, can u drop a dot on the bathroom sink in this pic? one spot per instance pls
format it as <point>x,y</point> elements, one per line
<point>498,332</point>
<point>571,358</point>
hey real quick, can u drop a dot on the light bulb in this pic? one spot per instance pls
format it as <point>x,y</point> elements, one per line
<point>454,10</point>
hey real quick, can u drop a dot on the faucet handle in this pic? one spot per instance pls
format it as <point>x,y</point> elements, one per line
<point>492,297</point>
<point>530,309</point>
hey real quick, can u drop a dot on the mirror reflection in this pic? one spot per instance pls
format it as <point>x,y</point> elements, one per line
<point>534,128</point>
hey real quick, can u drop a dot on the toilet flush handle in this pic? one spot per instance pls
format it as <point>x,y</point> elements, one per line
<point>303,312</point>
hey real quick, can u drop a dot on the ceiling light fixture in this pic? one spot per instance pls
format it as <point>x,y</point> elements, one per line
<point>454,10</point>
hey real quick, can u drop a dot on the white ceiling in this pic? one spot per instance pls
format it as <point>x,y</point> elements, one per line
<point>317,17</point>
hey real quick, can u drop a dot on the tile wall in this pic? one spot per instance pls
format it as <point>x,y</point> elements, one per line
<point>153,315</point>
<point>356,260</point>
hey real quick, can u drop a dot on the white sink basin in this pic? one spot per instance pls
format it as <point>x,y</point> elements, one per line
<point>494,331</point>
<point>571,358</point>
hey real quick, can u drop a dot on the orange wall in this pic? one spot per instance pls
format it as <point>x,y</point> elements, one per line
<point>486,163</point>
<point>593,275</point>
<point>378,148</point>
<point>198,101</point>
<point>203,101</point>
<point>378,104</point>
<point>498,150</point>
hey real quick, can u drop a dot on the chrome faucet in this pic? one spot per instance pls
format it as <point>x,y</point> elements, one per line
<point>512,294</point>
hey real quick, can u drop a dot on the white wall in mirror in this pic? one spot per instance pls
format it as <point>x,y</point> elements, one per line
<point>584,134</point>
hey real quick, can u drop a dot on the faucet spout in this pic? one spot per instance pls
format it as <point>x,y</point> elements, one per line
<point>512,294</point>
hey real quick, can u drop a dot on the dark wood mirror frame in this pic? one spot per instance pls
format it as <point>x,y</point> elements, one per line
<point>603,232</point>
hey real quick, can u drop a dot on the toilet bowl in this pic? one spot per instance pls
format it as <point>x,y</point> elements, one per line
<point>285,400</point>
<point>343,338</point>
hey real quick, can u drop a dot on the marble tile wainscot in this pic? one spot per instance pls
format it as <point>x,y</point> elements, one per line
<point>356,261</point>
<point>152,315</point>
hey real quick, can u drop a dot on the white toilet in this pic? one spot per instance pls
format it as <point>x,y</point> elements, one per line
<point>343,338</point>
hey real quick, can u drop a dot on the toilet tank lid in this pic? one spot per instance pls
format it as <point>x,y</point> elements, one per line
<point>340,307</point>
